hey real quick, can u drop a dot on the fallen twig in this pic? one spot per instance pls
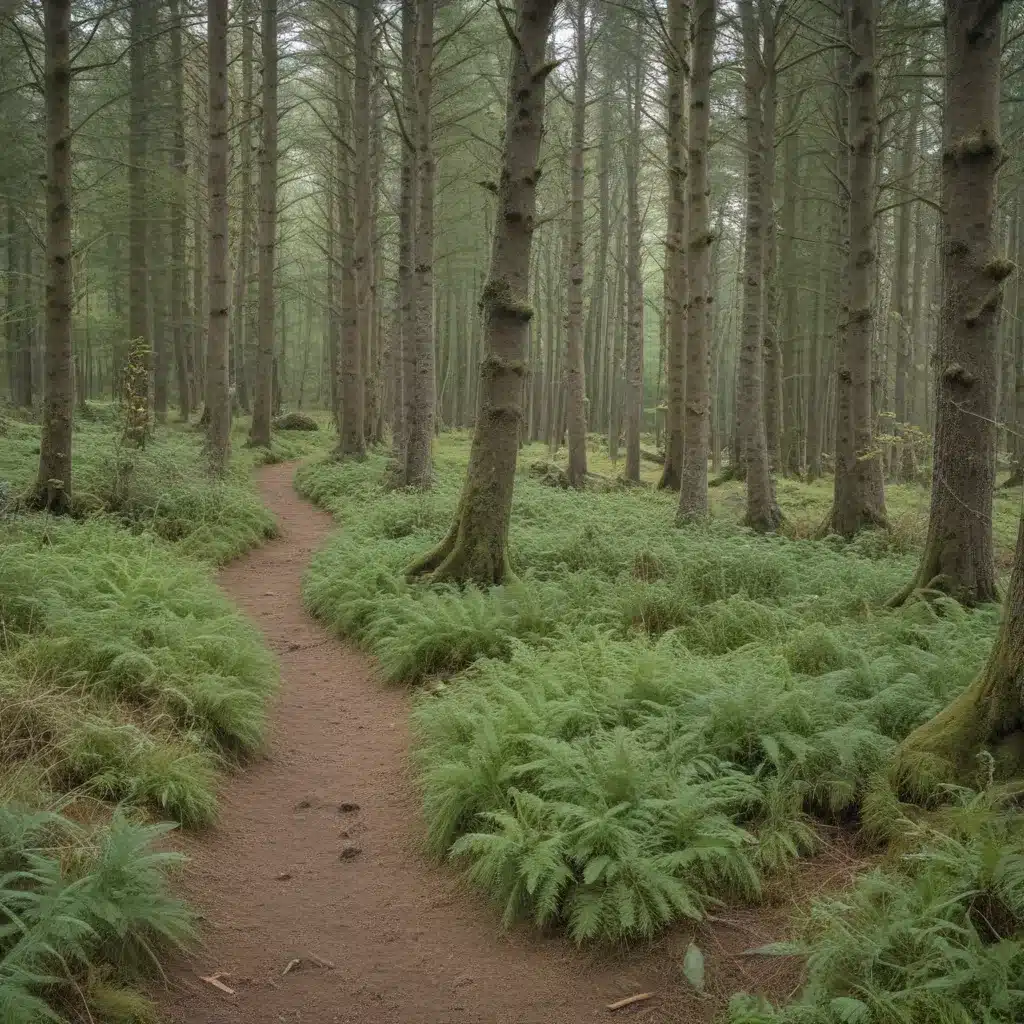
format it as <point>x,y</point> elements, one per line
<point>640,997</point>
<point>214,980</point>
<point>320,962</point>
<point>291,965</point>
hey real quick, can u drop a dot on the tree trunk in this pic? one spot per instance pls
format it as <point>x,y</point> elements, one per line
<point>240,345</point>
<point>575,384</point>
<point>676,247</point>
<point>762,513</point>
<point>199,245</point>
<point>353,167</point>
<point>958,555</point>
<point>597,320</point>
<point>218,391</point>
<point>263,388</point>
<point>634,393</point>
<point>989,715</point>
<point>19,340</point>
<point>772,352</point>
<point>178,213</point>
<point>405,322</point>
<point>420,407</point>
<point>53,484</point>
<point>693,492</point>
<point>476,548</point>
<point>138,195</point>
<point>794,328</point>
<point>859,499</point>
<point>900,300</point>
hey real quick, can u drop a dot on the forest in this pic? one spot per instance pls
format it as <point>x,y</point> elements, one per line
<point>511,511</point>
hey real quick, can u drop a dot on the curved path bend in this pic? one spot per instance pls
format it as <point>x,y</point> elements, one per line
<point>316,858</point>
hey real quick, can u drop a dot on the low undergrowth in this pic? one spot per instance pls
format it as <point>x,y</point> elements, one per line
<point>648,720</point>
<point>86,909</point>
<point>935,938</point>
<point>160,489</point>
<point>127,682</point>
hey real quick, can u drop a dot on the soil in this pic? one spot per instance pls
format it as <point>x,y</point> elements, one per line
<point>319,905</point>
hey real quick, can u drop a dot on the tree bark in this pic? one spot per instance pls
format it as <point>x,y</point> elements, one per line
<point>859,498</point>
<point>199,244</point>
<point>53,484</point>
<point>676,247</point>
<point>263,389</point>
<point>476,548</point>
<point>240,345</point>
<point>138,262</point>
<point>217,374</point>
<point>958,556</point>
<point>420,408</point>
<point>354,222</point>
<point>179,171</point>
<point>793,355</point>
<point>575,382</point>
<point>634,391</point>
<point>773,370</point>
<point>693,491</point>
<point>900,302</point>
<point>405,322</point>
<point>19,342</point>
<point>762,512</point>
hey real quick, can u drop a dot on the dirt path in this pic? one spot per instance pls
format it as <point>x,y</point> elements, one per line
<point>317,854</point>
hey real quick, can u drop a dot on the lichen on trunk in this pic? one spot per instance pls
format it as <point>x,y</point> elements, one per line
<point>475,549</point>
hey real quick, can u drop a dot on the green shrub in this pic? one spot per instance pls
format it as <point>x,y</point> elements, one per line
<point>295,421</point>
<point>106,909</point>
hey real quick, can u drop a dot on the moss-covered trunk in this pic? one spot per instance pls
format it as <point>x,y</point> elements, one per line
<point>958,556</point>
<point>987,716</point>
<point>476,547</point>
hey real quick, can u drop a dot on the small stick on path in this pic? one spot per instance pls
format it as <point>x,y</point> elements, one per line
<point>214,980</point>
<point>640,997</point>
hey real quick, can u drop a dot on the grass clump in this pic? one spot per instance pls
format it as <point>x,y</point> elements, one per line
<point>647,720</point>
<point>123,672</point>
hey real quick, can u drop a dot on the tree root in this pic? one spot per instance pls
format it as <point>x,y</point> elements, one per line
<point>975,740</point>
<point>461,563</point>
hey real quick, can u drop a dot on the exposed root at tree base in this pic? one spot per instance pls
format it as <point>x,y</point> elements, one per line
<point>977,739</point>
<point>937,587</point>
<point>459,561</point>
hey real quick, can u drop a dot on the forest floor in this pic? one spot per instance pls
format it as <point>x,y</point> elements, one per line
<point>316,864</point>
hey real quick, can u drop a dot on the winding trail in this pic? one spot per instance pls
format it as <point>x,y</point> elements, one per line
<point>317,856</point>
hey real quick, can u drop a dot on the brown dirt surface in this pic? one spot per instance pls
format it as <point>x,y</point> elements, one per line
<point>317,858</point>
